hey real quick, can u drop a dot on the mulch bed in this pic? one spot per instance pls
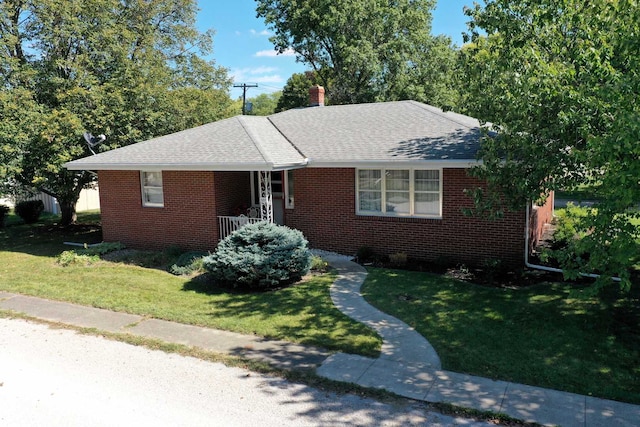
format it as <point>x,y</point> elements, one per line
<point>499,277</point>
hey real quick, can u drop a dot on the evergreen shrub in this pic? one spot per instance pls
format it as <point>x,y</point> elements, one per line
<point>4,211</point>
<point>29,210</point>
<point>260,256</point>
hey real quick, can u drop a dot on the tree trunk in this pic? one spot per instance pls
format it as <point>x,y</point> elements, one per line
<point>68,210</point>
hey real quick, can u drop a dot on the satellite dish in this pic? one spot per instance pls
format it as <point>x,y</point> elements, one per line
<point>92,141</point>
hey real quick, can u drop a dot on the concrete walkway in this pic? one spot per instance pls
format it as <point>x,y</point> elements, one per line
<point>278,353</point>
<point>408,364</point>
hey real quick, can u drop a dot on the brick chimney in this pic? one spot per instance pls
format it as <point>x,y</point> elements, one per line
<point>316,96</point>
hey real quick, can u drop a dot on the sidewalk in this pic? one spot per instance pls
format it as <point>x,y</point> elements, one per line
<point>278,353</point>
<point>408,364</point>
<point>410,368</point>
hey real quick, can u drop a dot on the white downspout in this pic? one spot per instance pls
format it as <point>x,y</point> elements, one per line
<point>544,267</point>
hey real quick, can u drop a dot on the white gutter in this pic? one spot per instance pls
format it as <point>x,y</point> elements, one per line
<point>216,167</point>
<point>399,163</point>
<point>544,267</point>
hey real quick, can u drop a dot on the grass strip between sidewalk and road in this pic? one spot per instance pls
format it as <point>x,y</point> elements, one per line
<point>304,376</point>
<point>546,335</point>
<point>303,313</point>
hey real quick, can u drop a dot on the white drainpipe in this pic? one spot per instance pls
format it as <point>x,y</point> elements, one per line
<point>544,267</point>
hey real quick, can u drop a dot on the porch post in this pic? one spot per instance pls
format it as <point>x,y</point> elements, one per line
<point>266,196</point>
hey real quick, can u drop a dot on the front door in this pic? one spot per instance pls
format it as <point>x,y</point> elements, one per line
<point>278,197</point>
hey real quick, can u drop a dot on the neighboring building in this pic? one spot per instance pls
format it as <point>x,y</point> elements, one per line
<point>390,176</point>
<point>89,200</point>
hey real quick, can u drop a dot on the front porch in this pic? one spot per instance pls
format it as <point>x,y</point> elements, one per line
<point>229,224</point>
<point>264,199</point>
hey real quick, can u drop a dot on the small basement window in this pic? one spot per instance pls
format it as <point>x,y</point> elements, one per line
<point>152,195</point>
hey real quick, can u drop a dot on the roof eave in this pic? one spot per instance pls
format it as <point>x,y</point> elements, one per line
<point>186,167</point>
<point>443,163</point>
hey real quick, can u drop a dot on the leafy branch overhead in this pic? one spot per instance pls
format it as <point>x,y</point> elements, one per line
<point>127,69</point>
<point>559,81</point>
<point>366,51</point>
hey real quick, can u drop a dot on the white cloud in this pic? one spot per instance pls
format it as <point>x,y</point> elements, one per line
<point>274,78</point>
<point>263,33</point>
<point>274,53</point>
<point>257,75</point>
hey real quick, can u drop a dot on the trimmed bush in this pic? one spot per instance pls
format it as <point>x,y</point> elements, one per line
<point>260,256</point>
<point>4,210</point>
<point>567,224</point>
<point>29,210</point>
<point>365,254</point>
<point>319,265</point>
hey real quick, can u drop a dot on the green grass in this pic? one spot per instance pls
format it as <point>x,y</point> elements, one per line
<point>541,335</point>
<point>302,313</point>
<point>582,192</point>
<point>544,335</point>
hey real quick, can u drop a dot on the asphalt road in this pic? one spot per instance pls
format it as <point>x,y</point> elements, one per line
<point>54,377</point>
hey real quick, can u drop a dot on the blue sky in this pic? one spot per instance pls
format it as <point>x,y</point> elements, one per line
<point>242,45</point>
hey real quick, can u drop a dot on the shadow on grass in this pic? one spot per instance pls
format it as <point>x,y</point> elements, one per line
<point>306,303</point>
<point>542,335</point>
<point>47,238</point>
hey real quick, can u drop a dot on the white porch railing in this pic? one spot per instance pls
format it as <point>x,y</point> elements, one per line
<point>229,224</point>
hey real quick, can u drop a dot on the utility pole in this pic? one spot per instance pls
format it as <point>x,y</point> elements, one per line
<point>244,87</point>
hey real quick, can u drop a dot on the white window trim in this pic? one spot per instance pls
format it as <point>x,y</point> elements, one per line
<point>412,193</point>
<point>288,196</point>
<point>145,203</point>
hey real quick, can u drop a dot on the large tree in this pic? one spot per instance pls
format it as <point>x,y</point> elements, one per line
<point>265,103</point>
<point>295,93</point>
<point>127,69</point>
<point>559,82</point>
<point>365,50</point>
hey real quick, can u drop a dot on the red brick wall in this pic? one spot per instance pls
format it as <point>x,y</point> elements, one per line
<point>539,216</point>
<point>192,203</point>
<point>188,218</point>
<point>324,211</point>
<point>233,190</point>
<point>325,203</point>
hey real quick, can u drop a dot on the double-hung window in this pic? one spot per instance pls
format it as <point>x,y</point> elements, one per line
<point>152,194</point>
<point>399,192</point>
<point>426,192</point>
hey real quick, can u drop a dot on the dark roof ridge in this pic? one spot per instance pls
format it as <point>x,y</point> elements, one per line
<point>441,113</point>
<point>285,137</point>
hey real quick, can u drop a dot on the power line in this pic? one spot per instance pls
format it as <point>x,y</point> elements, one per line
<point>244,87</point>
<point>273,87</point>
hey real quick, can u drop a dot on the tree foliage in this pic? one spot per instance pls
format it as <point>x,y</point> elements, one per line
<point>365,51</point>
<point>260,256</point>
<point>295,93</point>
<point>124,68</point>
<point>558,80</point>
<point>265,103</point>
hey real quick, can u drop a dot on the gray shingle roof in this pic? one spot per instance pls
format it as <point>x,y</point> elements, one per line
<point>349,135</point>
<point>238,143</point>
<point>385,132</point>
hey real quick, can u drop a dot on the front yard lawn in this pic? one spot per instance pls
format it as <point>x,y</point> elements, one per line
<point>302,313</point>
<point>544,335</point>
<point>541,335</point>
